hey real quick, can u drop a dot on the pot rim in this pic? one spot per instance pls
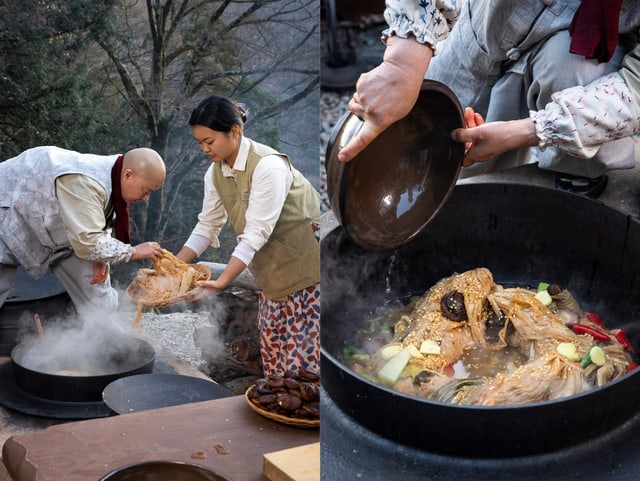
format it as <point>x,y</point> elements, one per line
<point>145,349</point>
<point>164,463</point>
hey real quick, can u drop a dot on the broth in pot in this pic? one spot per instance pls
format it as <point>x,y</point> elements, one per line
<point>468,340</point>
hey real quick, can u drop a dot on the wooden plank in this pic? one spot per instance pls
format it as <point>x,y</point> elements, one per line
<point>4,475</point>
<point>224,434</point>
<point>301,463</point>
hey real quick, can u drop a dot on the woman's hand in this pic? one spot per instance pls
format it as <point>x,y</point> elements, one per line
<point>387,93</point>
<point>233,269</point>
<point>146,250</point>
<point>208,288</point>
<point>100,272</point>
<point>484,141</point>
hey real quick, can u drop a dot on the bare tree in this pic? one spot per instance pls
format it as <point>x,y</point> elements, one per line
<point>163,56</point>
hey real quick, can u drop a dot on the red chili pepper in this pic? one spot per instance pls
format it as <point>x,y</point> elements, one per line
<point>592,331</point>
<point>622,338</point>
<point>632,365</point>
<point>448,370</point>
<point>595,318</point>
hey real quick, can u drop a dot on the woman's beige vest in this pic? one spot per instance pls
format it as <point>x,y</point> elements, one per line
<point>290,260</point>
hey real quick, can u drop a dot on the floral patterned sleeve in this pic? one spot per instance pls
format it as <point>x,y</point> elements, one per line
<point>579,119</point>
<point>429,21</point>
<point>111,250</point>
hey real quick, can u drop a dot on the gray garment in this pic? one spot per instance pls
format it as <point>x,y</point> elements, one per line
<point>29,214</point>
<point>31,224</point>
<point>73,273</point>
<point>505,61</point>
<point>7,274</point>
<point>8,267</point>
<point>6,257</point>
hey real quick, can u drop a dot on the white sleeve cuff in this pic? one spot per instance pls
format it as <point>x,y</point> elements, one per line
<point>198,243</point>
<point>244,252</point>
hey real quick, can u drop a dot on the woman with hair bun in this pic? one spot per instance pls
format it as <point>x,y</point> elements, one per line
<point>275,213</point>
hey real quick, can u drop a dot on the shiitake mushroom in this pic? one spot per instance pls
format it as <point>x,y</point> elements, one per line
<point>308,375</point>
<point>493,325</point>
<point>309,391</point>
<point>452,306</point>
<point>295,394</point>
<point>289,402</point>
<point>423,377</point>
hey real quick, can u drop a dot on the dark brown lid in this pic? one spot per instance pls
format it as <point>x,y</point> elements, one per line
<point>389,193</point>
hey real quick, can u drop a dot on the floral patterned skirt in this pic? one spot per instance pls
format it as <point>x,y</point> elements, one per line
<point>290,331</point>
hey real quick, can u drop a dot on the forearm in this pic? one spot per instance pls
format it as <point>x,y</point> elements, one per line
<point>518,134</point>
<point>187,255</point>
<point>234,268</point>
<point>409,60</point>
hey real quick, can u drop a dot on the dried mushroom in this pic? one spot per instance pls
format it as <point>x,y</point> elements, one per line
<point>452,306</point>
<point>295,395</point>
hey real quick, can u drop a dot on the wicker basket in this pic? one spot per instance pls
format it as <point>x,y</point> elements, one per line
<point>296,422</point>
<point>137,294</point>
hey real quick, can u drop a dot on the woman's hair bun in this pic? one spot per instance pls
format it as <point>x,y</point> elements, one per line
<point>244,111</point>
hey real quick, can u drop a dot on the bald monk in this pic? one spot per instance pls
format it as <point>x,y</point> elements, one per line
<point>57,211</point>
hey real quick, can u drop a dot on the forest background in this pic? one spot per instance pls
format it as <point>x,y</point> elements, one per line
<point>103,77</point>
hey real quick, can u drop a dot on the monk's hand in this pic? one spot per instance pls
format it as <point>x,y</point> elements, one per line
<point>100,272</point>
<point>146,250</point>
<point>388,92</point>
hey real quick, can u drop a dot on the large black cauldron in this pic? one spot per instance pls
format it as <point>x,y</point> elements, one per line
<point>523,234</point>
<point>77,376</point>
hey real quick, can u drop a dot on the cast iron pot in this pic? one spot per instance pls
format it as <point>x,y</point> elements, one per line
<point>117,357</point>
<point>46,296</point>
<point>163,471</point>
<point>523,234</point>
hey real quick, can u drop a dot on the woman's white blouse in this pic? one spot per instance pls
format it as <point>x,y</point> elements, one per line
<point>270,186</point>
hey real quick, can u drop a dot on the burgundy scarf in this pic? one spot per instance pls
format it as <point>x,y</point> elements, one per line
<point>120,207</point>
<point>594,29</point>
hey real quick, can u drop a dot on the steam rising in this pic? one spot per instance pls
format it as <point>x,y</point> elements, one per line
<point>94,345</point>
<point>102,342</point>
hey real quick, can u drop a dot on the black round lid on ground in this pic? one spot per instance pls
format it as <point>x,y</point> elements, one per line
<point>18,400</point>
<point>150,391</point>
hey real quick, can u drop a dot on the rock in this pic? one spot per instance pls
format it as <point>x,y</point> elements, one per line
<point>230,344</point>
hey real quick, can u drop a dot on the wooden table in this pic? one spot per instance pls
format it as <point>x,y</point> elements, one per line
<point>87,450</point>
